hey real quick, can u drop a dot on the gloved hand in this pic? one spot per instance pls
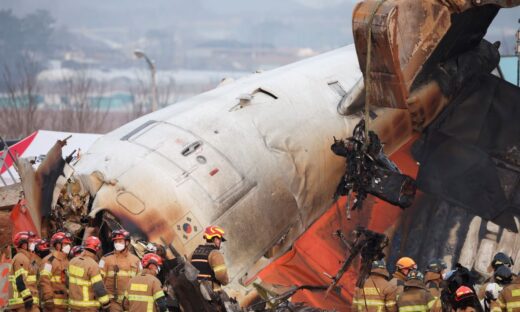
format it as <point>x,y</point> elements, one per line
<point>492,291</point>
<point>105,307</point>
<point>48,305</point>
<point>28,302</point>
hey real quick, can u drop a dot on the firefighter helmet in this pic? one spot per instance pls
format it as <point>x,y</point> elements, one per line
<point>503,275</point>
<point>436,266</point>
<point>379,264</point>
<point>463,292</point>
<point>93,243</point>
<point>405,263</point>
<point>21,238</point>
<point>214,231</point>
<point>151,258</point>
<point>501,259</point>
<point>415,275</point>
<point>120,234</point>
<point>75,251</point>
<point>42,245</point>
<point>61,238</point>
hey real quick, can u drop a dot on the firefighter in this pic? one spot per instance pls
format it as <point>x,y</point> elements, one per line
<point>415,297</point>
<point>504,295</point>
<point>36,260</point>
<point>502,277</point>
<point>53,273</point>
<point>144,292</point>
<point>466,300</point>
<point>35,245</point>
<point>86,289</point>
<point>209,260</point>
<point>23,292</point>
<point>434,276</point>
<point>75,251</point>
<point>118,267</point>
<point>403,266</point>
<point>377,294</point>
<point>500,259</point>
<point>42,248</point>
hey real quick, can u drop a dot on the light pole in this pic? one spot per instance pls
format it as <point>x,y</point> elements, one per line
<point>517,52</point>
<point>151,66</point>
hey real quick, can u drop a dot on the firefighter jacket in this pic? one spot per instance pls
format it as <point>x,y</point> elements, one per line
<point>398,280</point>
<point>509,298</point>
<point>144,293</point>
<point>22,278</point>
<point>377,294</point>
<point>433,281</point>
<point>211,265</point>
<point>415,298</point>
<point>53,279</point>
<point>86,289</point>
<point>117,268</point>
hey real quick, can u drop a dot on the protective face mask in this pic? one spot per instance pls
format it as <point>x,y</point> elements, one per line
<point>119,246</point>
<point>66,249</point>
<point>32,246</point>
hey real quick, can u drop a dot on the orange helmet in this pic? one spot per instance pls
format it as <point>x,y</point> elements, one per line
<point>120,234</point>
<point>406,263</point>
<point>463,292</point>
<point>151,258</point>
<point>93,243</point>
<point>61,238</point>
<point>21,238</point>
<point>214,231</point>
<point>42,245</point>
<point>75,251</point>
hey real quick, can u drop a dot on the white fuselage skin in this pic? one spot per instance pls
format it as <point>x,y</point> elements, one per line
<point>262,169</point>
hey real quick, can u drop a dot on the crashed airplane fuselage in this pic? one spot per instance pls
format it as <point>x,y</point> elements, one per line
<point>252,156</point>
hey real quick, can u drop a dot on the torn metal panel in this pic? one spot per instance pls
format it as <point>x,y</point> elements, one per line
<point>39,185</point>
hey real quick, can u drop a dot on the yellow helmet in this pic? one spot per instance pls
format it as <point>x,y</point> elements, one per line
<point>214,231</point>
<point>405,263</point>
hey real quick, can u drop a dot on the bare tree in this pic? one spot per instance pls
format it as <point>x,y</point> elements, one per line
<point>141,95</point>
<point>140,98</point>
<point>85,105</point>
<point>166,93</point>
<point>19,103</point>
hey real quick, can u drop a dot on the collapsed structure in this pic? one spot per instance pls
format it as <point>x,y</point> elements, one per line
<point>260,165</point>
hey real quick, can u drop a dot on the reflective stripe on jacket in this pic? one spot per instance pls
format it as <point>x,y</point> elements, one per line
<point>22,280</point>
<point>53,279</point>
<point>415,298</point>
<point>127,266</point>
<point>211,265</point>
<point>377,295</point>
<point>86,289</point>
<point>143,291</point>
<point>509,298</point>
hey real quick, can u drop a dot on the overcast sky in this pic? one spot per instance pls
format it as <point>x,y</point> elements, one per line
<point>141,16</point>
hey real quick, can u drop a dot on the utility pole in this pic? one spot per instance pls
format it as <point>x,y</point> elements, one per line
<point>153,70</point>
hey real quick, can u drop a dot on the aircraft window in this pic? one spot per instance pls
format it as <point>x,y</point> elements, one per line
<point>137,130</point>
<point>260,90</point>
